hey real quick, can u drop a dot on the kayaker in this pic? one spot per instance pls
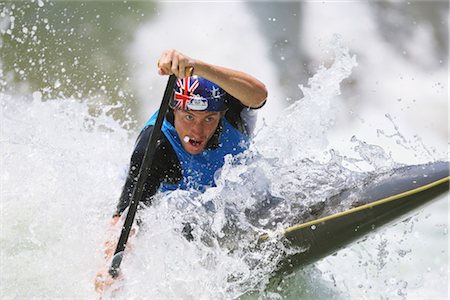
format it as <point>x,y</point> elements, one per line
<point>212,113</point>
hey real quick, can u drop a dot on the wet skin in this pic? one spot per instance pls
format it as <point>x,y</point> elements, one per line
<point>199,126</point>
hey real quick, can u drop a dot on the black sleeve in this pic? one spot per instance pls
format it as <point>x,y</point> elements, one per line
<point>165,167</point>
<point>234,114</point>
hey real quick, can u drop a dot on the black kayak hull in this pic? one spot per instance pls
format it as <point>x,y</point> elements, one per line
<point>384,199</point>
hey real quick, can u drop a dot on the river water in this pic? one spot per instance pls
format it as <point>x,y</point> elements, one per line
<point>349,92</point>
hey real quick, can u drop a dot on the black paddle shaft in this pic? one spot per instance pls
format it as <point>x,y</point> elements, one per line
<point>141,179</point>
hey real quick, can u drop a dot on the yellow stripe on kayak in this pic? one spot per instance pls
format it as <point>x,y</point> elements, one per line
<point>366,206</point>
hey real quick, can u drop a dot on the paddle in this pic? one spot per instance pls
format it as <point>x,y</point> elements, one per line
<point>141,178</point>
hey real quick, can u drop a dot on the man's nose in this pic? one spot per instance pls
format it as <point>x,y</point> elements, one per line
<point>197,128</point>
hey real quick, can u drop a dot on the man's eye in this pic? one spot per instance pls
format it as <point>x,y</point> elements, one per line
<point>189,117</point>
<point>209,119</point>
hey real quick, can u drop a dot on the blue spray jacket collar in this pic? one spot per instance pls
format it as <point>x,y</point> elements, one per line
<point>198,170</point>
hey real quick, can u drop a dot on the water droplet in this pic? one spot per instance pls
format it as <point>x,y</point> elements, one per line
<point>37,96</point>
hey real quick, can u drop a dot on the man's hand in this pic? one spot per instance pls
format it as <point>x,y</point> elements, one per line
<point>104,280</point>
<point>176,63</point>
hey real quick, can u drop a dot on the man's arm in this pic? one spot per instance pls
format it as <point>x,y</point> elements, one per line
<point>247,89</point>
<point>154,176</point>
<point>103,279</point>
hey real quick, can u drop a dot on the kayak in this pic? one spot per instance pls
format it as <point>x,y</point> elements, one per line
<point>381,199</point>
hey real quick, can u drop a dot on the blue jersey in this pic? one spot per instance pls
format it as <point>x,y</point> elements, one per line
<point>198,170</point>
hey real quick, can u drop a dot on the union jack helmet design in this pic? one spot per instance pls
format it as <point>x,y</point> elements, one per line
<point>198,93</point>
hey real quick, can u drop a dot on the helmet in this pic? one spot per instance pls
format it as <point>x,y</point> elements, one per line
<point>198,93</point>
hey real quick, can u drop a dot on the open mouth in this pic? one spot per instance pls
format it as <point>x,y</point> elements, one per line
<point>195,143</point>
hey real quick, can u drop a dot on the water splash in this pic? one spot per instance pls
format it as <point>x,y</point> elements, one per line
<point>270,187</point>
<point>59,182</point>
<point>301,130</point>
<point>71,152</point>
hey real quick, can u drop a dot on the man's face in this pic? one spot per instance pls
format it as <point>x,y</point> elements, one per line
<point>195,128</point>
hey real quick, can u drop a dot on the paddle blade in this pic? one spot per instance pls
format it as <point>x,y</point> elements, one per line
<point>114,270</point>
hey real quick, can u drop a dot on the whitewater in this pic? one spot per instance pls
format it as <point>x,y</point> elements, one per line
<point>63,163</point>
<point>63,169</point>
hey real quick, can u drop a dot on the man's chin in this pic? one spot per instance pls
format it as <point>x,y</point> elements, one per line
<point>193,150</point>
